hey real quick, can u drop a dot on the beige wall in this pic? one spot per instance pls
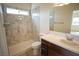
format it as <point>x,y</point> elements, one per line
<point>63,17</point>
<point>44,17</point>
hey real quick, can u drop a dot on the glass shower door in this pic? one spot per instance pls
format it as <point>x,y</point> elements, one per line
<point>18,27</point>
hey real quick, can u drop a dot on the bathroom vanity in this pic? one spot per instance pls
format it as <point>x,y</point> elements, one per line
<point>49,49</point>
<point>54,46</point>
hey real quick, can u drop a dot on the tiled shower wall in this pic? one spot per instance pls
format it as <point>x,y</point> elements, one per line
<point>18,28</point>
<point>20,32</point>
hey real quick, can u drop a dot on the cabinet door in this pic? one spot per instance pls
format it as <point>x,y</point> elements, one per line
<point>44,50</point>
<point>51,52</point>
<point>54,50</point>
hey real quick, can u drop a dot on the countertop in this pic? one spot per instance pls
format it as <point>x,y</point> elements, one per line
<point>58,38</point>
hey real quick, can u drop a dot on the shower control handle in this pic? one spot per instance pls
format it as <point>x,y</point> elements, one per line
<point>6,24</point>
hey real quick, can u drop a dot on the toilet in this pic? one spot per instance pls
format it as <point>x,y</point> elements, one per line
<point>36,48</point>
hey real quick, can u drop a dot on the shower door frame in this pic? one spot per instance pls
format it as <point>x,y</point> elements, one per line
<point>3,42</point>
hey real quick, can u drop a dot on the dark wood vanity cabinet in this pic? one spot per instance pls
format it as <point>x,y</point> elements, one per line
<point>50,49</point>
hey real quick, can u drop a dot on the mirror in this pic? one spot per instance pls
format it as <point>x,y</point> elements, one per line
<point>65,18</point>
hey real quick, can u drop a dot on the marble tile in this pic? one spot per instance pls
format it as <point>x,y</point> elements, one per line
<point>19,30</point>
